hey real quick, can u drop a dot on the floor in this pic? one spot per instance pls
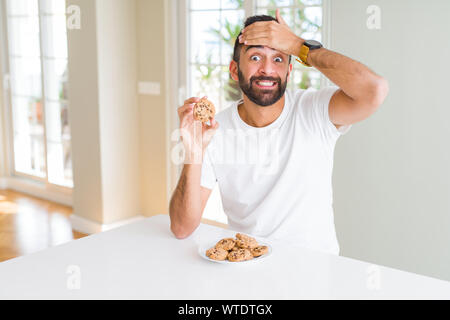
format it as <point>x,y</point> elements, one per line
<point>29,224</point>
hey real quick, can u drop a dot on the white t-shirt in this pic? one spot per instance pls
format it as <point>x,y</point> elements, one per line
<point>275,181</point>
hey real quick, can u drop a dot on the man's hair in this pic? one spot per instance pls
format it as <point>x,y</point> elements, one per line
<point>249,21</point>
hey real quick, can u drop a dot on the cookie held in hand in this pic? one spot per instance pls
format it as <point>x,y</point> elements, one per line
<point>204,110</point>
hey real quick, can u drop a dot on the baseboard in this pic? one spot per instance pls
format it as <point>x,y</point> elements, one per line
<point>90,227</point>
<point>38,190</point>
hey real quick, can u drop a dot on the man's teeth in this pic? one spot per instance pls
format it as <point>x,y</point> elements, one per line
<point>266,83</point>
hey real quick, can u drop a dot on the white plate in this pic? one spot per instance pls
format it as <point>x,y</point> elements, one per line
<point>202,253</point>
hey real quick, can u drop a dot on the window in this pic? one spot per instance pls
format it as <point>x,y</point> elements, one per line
<point>213,27</point>
<point>304,17</point>
<point>37,65</point>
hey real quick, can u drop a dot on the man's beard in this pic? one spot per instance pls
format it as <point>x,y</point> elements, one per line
<point>262,97</point>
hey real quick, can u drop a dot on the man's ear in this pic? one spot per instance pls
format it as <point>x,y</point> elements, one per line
<point>234,70</point>
<point>290,71</point>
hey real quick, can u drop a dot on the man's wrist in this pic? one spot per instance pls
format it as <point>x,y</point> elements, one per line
<point>311,53</point>
<point>298,46</point>
<point>312,56</point>
<point>194,157</point>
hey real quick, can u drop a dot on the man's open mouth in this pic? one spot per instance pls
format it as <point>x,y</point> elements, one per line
<point>265,84</point>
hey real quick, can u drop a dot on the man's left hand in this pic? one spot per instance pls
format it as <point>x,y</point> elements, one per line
<point>272,34</point>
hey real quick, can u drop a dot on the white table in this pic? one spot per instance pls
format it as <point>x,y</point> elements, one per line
<point>144,260</point>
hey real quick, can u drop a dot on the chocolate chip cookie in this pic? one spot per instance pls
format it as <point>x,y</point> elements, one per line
<point>217,254</point>
<point>236,247</point>
<point>204,110</point>
<point>242,248</point>
<point>245,242</point>
<point>259,251</point>
<point>239,255</point>
<point>227,244</point>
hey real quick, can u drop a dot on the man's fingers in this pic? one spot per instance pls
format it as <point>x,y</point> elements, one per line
<point>189,104</point>
<point>188,111</point>
<point>259,42</point>
<point>192,100</point>
<point>256,27</point>
<point>280,18</point>
<point>260,24</point>
<point>209,131</point>
<point>252,29</point>
<point>183,109</point>
<point>254,34</point>
<point>267,31</point>
<point>212,126</point>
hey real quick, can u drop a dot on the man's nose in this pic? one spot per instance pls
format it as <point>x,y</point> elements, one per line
<point>267,67</point>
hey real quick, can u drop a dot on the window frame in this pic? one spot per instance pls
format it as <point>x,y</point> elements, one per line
<point>22,180</point>
<point>5,88</point>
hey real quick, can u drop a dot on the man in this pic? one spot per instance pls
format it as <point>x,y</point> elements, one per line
<point>289,195</point>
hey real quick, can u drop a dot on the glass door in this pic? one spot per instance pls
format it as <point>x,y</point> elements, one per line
<point>37,55</point>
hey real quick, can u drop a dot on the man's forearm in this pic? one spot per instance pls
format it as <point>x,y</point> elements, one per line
<point>185,205</point>
<point>359,84</point>
<point>354,78</point>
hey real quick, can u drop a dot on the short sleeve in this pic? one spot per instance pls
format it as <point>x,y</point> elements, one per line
<point>315,112</point>
<point>208,177</point>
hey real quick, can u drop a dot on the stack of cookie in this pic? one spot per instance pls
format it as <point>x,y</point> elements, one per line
<point>242,248</point>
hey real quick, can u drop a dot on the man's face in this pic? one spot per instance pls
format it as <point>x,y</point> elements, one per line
<point>263,74</point>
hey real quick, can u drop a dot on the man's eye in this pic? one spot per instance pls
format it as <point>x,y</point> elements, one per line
<point>278,59</point>
<point>255,58</point>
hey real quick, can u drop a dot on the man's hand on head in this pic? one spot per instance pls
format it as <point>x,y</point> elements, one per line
<point>272,34</point>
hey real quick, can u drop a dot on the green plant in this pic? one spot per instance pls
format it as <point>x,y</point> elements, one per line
<point>305,83</point>
<point>231,33</point>
<point>228,38</point>
<point>206,72</point>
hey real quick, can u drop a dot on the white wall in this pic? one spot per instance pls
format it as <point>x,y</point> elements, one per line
<point>392,171</point>
<point>104,113</point>
<point>152,57</point>
<point>84,114</point>
<point>119,113</point>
